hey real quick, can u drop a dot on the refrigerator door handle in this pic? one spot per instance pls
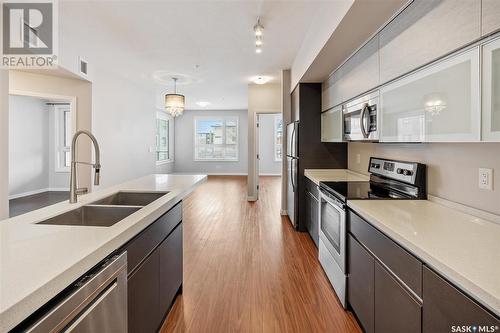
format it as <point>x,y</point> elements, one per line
<point>292,174</point>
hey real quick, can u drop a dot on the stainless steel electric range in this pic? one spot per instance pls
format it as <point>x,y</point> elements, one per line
<point>389,180</point>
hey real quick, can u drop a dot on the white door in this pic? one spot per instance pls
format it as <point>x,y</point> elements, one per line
<point>491,91</point>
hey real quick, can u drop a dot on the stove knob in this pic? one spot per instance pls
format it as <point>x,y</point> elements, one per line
<point>407,172</point>
<point>399,171</point>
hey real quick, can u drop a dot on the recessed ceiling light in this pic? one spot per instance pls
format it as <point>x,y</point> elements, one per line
<point>203,104</point>
<point>258,49</point>
<point>258,41</point>
<point>261,79</point>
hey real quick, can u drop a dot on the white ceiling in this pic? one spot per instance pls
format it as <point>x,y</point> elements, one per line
<point>137,39</point>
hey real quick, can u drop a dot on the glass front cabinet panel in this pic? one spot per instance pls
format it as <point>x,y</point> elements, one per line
<point>331,125</point>
<point>491,91</point>
<point>439,103</point>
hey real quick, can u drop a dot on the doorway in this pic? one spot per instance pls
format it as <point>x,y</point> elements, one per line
<point>269,147</point>
<point>40,132</point>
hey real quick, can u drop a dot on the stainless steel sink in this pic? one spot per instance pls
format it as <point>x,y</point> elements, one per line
<point>95,216</point>
<point>130,198</point>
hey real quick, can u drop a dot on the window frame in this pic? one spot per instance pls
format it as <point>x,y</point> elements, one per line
<point>60,133</point>
<point>277,118</point>
<point>224,119</point>
<point>160,115</point>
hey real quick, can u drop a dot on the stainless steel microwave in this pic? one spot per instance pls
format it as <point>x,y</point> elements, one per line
<point>361,118</point>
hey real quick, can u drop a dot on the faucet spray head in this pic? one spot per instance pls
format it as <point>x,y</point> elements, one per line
<point>97,175</point>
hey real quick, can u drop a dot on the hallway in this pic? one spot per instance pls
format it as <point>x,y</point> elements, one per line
<point>246,269</point>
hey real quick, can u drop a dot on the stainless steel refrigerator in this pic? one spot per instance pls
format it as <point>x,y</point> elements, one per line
<point>292,161</point>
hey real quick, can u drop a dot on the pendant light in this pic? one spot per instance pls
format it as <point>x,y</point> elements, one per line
<point>175,103</point>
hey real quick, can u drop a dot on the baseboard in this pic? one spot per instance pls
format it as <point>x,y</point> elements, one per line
<point>269,174</point>
<point>251,198</point>
<point>25,194</point>
<point>283,212</point>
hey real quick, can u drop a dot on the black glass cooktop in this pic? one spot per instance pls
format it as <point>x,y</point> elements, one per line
<point>360,190</point>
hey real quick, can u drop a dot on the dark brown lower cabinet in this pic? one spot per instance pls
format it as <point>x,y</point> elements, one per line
<point>170,268</point>
<point>395,309</point>
<point>446,308</point>
<point>361,284</point>
<point>144,296</point>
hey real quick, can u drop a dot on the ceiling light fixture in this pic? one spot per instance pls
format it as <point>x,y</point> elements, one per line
<point>203,104</point>
<point>175,103</point>
<point>258,28</point>
<point>259,31</point>
<point>261,79</point>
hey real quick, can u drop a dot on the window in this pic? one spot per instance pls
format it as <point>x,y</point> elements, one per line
<point>278,138</point>
<point>164,132</point>
<point>63,137</point>
<point>216,139</point>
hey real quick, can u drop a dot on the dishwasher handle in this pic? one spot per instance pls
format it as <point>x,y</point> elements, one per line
<point>108,279</point>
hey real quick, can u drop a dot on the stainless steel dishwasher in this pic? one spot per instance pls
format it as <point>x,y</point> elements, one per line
<point>95,303</point>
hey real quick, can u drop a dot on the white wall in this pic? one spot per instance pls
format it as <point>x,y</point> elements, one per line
<point>267,163</point>
<point>57,180</point>
<point>323,24</point>
<point>28,145</point>
<point>184,144</point>
<point>123,110</point>
<point>262,98</point>
<point>4,144</point>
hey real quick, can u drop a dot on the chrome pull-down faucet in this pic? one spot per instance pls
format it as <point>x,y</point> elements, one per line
<point>74,191</point>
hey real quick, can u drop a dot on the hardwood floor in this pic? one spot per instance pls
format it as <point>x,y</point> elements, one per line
<point>247,270</point>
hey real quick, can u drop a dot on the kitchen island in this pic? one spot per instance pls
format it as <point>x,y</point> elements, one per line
<point>38,261</point>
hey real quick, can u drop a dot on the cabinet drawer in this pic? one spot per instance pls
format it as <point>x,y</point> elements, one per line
<point>312,188</point>
<point>399,261</point>
<point>144,243</point>
<point>445,306</point>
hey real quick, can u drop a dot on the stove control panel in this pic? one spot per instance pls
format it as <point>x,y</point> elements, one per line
<point>402,171</point>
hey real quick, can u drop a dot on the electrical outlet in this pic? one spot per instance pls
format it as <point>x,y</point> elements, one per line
<point>358,158</point>
<point>486,179</point>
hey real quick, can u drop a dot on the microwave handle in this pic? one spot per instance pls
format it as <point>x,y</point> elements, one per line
<point>362,120</point>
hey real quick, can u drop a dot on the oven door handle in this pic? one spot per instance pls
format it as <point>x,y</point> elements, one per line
<point>333,201</point>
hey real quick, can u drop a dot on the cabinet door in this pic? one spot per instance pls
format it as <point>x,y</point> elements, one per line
<point>331,91</point>
<point>395,309</point>
<point>312,218</point>
<point>361,284</point>
<point>491,91</point>
<point>445,307</point>
<point>332,125</point>
<point>361,72</point>
<point>170,268</point>
<point>440,103</point>
<point>425,31</point>
<point>490,16</point>
<point>143,296</point>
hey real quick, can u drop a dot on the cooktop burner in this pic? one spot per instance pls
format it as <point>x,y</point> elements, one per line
<point>355,190</point>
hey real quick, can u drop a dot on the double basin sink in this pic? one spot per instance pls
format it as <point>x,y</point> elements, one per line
<point>107,211</point>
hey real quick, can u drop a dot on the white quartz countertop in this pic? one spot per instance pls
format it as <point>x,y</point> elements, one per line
<point>39,261</point>
<point>334,175</point>
<point>463,248</point>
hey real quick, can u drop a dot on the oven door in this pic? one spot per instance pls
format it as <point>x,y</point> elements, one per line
<point>332,227</point>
